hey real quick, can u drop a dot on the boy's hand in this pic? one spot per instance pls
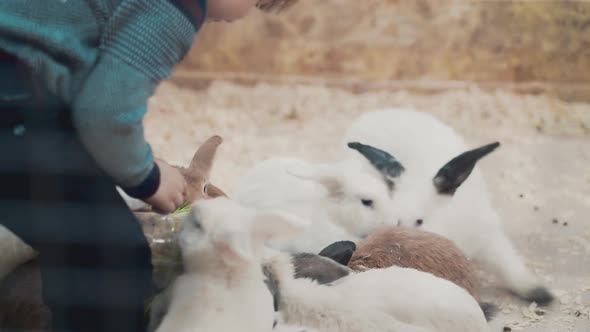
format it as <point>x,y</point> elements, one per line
<point>171,193</point>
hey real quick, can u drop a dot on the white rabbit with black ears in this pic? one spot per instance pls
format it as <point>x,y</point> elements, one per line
<point>435,185</point>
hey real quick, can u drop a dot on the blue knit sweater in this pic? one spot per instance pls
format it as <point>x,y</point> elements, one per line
<point>104,58</point>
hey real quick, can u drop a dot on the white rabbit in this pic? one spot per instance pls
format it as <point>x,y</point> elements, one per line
<point>223,286</point>
<point>392,299</point>
<point>435,186</point>
<point>343,201</point>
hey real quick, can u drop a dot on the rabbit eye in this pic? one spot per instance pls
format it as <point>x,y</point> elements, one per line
<point>367,202</point>
<point>205,188</point>
<point>196,222</point>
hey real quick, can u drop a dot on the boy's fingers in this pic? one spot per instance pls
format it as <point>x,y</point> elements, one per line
<point>164,209</point>
<point>178,199</point>
<point>184,191</point>
<point>171,208</point>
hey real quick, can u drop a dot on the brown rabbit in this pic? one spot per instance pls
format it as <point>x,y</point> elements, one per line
<point>416,249</point>
<point>196,176</point>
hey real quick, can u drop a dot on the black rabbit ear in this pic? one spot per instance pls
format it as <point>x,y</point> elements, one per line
<point>456,171</point>
<point>321,269</point>
<point>340,251</point>
<point>382,160</point>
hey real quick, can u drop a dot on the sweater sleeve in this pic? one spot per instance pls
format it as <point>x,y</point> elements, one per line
<point>140,45</point>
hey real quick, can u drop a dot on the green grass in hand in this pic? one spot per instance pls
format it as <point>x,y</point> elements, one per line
<point>186,207</point>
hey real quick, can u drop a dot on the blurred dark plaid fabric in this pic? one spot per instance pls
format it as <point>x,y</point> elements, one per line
<point>95,261</point>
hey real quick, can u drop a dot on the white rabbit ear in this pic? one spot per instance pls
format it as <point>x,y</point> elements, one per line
<point>275,224</point>
<point>234,248</point>
<point>321,174</point>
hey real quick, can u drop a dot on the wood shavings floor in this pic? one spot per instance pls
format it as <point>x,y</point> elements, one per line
<point>540,176</point>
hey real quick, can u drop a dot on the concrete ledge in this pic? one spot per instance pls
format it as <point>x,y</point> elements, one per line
<point>565,91</point>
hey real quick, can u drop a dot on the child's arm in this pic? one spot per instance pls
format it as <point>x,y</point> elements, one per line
<point>141,44</point>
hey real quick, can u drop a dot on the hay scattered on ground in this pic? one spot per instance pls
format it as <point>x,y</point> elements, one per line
<point>308,121</point>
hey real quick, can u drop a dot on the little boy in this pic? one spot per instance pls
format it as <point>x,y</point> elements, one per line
<point>75,76</point>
